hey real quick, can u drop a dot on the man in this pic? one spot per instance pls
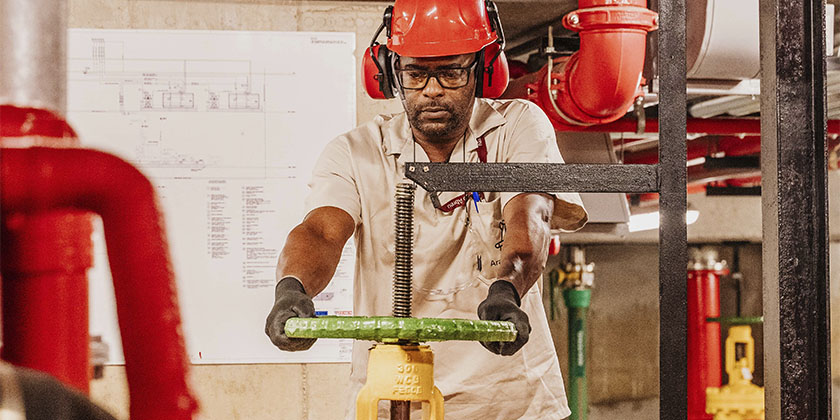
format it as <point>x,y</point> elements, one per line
<point>479,260</point>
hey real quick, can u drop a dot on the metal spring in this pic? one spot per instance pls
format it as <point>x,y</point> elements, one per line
<point>404,235</point>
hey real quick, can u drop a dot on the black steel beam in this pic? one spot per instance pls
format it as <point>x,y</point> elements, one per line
<point>797,374</point>
<point>733,162</point>
<point>712,190</point>
<point>533,177</point>
<point>673,255</point>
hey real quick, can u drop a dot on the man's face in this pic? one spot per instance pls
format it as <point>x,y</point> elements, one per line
<point>436,113</point>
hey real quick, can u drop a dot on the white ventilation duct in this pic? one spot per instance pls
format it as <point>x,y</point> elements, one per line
<point>722,46</point>
<point>722,39</point>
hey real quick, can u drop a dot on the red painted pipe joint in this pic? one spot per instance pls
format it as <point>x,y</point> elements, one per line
<point>599,83</point>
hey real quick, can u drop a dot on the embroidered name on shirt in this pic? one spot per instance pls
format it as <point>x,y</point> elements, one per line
<point>459,201</point>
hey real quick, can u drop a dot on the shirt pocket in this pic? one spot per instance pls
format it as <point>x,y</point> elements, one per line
<point>443,256</point>
<point>486,231</point>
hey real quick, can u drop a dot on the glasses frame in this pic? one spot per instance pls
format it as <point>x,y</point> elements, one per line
<point>435,73</point>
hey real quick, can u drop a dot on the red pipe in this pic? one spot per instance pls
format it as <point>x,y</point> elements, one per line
<point>702,147</point>
<point>703,339</point>
<point>36,180</point>
<point>699,177</point>
<point>20,122</point>
<point>719,126</point>
<point>44,263</point>
<point>45,295</point>
<point>744,182</point>
<point>698,187</point>
<point>598,83</point>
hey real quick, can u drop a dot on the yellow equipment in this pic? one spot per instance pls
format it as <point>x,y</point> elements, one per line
<point>400,373</point>
<point>740,399</point>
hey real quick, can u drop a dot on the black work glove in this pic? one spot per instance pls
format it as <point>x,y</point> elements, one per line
<point>290,300</point>
<point>502,304</point>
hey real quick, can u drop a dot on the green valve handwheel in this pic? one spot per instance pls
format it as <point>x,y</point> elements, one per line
<point>387,328</point>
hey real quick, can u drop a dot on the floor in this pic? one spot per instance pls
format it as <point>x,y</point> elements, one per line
<point>626,410</point>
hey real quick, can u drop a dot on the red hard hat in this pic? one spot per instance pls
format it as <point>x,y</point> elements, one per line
<point>434,28</point>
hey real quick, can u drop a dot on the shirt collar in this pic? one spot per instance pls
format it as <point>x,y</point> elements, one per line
<point>483,119</point>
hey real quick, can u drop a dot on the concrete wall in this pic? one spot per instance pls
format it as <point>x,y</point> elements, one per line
<point>624,318</point>
<point>623,357</point>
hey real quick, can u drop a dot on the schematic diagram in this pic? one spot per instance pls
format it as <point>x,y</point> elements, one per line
<point>228,127</point>
<point>152,152</point>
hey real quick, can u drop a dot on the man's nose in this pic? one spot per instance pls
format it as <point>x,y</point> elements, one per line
<point>433,88</point>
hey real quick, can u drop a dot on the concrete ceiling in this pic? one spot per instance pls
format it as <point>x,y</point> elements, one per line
<point>523,20</point>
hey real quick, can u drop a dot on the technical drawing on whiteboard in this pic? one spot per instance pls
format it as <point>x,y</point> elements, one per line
<point>173,100</point>
<point>228,126</point>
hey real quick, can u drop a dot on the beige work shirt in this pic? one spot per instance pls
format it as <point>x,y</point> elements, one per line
<point>358,173</point>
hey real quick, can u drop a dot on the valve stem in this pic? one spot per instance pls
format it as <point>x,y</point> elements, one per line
<point>404,229</point>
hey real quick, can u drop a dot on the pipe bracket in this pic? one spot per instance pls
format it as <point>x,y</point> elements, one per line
<point>612,17</point>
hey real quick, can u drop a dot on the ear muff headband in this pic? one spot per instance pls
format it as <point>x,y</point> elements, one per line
<point>496,22</point>
<point>480,69</point>
<point>495,74</point>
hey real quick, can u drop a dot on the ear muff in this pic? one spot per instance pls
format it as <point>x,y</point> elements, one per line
<point>495,74</point>
<point>376,73</point>
<point>377,70</point>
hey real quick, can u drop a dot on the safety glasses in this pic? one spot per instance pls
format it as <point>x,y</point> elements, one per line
<point>448,78</point>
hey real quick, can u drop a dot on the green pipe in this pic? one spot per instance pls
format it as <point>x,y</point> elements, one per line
<point>553,282</point>
<point>577,303</point>
<point>737,320</point>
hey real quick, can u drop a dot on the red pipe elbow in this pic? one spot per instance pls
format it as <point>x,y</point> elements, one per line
<point>37,179</point>
<point>599,83</point>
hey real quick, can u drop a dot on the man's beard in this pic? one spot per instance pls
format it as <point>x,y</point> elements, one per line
<point>438,129</point>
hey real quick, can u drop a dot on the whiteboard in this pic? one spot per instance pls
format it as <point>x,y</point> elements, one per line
<point>227,125</point>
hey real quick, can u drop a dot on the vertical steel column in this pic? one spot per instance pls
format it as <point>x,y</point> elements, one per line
<point>673,253</point>
<point>33,47</point>
<point>794,202</point>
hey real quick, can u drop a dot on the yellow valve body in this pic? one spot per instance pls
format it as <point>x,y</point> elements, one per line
<point>740,399</point>
<point>400,373</point>
<point>736,402</point>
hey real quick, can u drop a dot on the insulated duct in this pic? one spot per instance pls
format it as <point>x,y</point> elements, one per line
<point>722,39</point>
<point>33,47</point>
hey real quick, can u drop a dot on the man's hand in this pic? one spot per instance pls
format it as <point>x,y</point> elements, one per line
<point>290,300</point>
<point>502,304</point>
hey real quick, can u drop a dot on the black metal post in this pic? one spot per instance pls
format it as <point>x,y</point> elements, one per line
<point>797,374</point>
<point>673,254</point>
<point>533,177</point>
